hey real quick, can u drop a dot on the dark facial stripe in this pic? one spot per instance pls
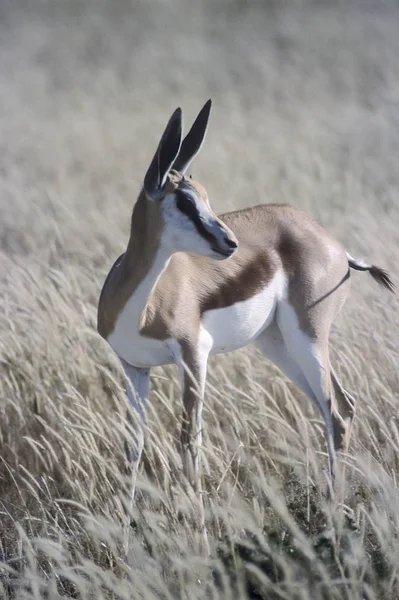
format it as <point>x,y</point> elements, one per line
<point>187,206</point>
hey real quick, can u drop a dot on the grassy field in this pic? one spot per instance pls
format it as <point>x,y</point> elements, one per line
<point>306,98</point>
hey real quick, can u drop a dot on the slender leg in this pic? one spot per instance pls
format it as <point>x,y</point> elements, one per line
<point>137,387</point>
<point>312,358</point>
<point>192,359</point>
<point>342,408</point>
<point>311,354</point>
<point>272,344</point>
<point>193,386</point>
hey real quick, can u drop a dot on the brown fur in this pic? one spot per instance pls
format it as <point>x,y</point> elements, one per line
<point>270,237</point>
<point>130,268</point>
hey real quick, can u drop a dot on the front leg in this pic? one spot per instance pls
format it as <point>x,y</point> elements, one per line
<point>137,388</point>
<point>192,361</point>
<point>191,430</point>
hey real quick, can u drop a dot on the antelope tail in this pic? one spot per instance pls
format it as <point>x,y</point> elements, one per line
<point>379,275</point>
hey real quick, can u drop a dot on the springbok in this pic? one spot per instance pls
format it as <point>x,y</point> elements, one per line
<point>192,284</point>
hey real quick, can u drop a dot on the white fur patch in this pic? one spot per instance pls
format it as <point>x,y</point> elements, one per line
<point>305,353</point>
<point>236,326</point>
<point>126,340</point>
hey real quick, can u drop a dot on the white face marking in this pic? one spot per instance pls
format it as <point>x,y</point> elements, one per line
<point>181,234</point>
<point>236,326</point>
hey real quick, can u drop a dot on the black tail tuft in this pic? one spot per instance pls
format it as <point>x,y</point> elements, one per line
<point>382,277</point>
<point>379,275</point>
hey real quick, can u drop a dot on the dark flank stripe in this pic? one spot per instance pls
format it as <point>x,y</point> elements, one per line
<point>241,285</point>
<point>187,206</point>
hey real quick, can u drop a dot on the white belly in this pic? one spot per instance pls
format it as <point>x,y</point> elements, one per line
<point>236,326</point>
<point>227,328</point>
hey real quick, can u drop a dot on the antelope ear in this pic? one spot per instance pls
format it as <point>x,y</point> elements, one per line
<point>193,141</point>
<point>167,151</point>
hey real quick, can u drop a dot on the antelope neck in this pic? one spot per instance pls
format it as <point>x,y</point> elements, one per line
<point>146,257</point>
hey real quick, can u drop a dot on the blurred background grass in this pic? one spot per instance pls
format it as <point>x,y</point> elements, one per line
<point>306,100</point>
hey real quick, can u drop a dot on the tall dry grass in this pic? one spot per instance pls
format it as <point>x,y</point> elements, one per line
<point>305,111</point>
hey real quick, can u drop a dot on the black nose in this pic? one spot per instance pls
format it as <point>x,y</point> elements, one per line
<point>231,243</point>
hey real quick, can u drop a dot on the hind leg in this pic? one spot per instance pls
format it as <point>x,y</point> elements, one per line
<point>342,407</point>
<point>273,345</point>
<point>312,356</point>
